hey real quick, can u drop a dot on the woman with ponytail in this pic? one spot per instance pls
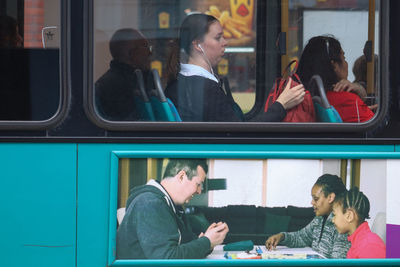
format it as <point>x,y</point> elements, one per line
<point>194,89</point>
<point>320,234</point>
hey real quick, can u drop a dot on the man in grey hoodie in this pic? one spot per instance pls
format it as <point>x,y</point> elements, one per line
<point>154,227</point>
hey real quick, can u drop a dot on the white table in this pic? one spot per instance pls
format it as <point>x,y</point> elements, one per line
<point>281,252</point>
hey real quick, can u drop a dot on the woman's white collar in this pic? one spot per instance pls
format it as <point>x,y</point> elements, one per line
<point>194,70</point>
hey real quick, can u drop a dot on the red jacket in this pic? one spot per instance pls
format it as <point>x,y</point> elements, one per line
<point>365,244</point>
<point>350,106</point>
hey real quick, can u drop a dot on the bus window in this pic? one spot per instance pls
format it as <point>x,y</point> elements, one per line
<point>156,25</point>
<point>355,26</point>
<point>136,75</point>
<point>255,197</point>
<point>29,65</point>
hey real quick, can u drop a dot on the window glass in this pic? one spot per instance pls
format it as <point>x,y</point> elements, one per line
<point>225,68</point>
<point>156,24</point>
<point>29,65</point>
<point>354,27</point>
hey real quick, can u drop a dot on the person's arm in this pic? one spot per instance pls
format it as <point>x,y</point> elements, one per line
<point>158,234</point>
<point>301,238</point>
<point>275,113</point>
<point>340,246</point>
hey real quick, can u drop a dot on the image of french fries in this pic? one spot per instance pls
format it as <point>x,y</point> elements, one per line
<point>215,11</point>
<point>227,34</point>
<point>233,28</point>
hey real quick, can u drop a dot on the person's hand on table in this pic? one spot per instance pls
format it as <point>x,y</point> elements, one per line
<point>216,233</point>
<point>273,241</point>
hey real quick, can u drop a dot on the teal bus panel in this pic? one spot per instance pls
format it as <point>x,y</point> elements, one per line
<point>97,193</point>
<point>397,148</point>
<point>38,204</point>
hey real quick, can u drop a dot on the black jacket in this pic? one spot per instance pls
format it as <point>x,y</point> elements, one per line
<point>200,99</point>
<point>117,95</point>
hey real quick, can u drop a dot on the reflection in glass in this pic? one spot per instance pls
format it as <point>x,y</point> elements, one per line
<point>358,41</point>
<point>160,22</point>
<point>29,74</point>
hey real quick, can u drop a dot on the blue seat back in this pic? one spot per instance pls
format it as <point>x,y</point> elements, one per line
<point>325,112</point>
<point>163,108</point>
<point>143,103</point>
<point>144,109</point>
<point>174,110</point>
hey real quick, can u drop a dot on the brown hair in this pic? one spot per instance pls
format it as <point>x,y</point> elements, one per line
<point>194,27</point>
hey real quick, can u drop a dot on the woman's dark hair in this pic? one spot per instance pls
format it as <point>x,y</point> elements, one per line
<point>331,184</point>
<point>194,27</point>
<point>316,59</point>
<point>356,200</point>
<point>8,31</point>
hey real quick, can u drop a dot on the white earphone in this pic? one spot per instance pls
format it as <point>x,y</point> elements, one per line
<point>205,56</point>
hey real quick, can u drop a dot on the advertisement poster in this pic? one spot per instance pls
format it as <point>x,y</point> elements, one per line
<point>236,17</point>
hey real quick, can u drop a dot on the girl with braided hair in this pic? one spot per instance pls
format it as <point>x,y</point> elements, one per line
<point>350,210</point>
<point>320,234</point>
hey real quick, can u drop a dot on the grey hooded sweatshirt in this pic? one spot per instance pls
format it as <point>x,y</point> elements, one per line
<point>153,228</point>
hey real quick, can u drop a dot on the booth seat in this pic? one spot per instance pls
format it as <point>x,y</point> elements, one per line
<point>248,222</point>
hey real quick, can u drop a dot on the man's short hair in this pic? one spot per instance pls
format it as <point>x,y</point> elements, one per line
<point>188,165</point>
<point>121,39</point>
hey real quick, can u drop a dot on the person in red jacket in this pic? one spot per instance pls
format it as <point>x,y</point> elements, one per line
<point>324,56</point>
<point>350,210</point>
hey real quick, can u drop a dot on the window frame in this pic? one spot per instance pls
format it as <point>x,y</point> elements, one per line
<point>232,152</point>
<point>258,127</point>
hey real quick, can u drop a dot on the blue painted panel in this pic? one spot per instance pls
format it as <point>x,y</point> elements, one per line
<point>397,148</point>
<point>97,174</point>
<point>94,203</point>
<point>38,204</point>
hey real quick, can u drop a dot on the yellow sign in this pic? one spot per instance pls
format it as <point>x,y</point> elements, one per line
<point>243,10</point>
<point>156,64</point>
<point>163,20</point>
<point>223,67</point>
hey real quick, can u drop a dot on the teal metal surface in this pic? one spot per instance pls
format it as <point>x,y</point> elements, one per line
<point>38,204</point>
<point>98,183</point>
<point>397,148</point>
<point>327,114</point>
<point>211,263</point>
<point>45,225</point>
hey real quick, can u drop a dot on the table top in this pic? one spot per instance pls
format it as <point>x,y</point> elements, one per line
<point>281,252</point>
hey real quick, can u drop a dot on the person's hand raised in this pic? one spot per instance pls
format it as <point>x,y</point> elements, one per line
<point>291,97</point>
<point>216,233</point>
